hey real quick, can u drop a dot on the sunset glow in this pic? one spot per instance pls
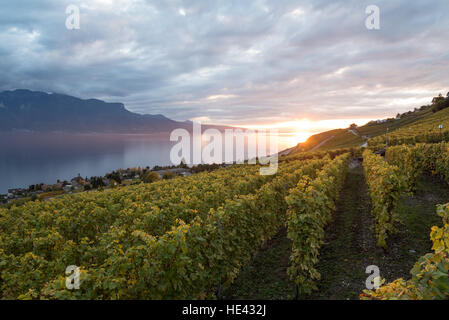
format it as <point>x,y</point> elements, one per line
<point>293,132</point>
<point>301,136</point>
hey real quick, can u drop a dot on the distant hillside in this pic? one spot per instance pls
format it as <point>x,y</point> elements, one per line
<point>408,123</point>
<point>425,130</point>
<point>25,110</point>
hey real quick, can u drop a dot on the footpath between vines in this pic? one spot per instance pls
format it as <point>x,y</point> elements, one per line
<point>350,245</point>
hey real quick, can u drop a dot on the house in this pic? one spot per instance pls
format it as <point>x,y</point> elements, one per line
<point>180,171</point>
<point>17,191</point>
<point>78,181</point>
<point>58,186</point>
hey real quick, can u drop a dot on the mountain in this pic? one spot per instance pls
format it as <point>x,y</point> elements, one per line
<point>25,110</point>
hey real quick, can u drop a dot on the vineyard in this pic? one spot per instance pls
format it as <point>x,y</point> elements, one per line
<point>430,278</point>
<point>167,240</point>
<point>220,159</point>
<point>335,232</point>
<point>423,131</point>
<point>191,237</point>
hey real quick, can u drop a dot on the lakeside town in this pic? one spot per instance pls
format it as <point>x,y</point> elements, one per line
<point>120,177</point>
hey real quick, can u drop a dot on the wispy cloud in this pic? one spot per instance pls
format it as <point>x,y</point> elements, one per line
<point>231,61</point>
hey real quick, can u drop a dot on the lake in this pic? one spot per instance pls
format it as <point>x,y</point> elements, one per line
<point>27,159</point>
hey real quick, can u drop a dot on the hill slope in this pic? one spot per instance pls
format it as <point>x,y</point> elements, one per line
<point>345,138</point>
<point>424,130</point>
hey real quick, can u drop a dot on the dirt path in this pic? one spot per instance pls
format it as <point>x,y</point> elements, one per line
<point>349,242</point>
<point>350,245</point>
<point>321,144</point>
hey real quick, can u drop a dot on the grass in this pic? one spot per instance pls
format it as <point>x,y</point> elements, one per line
<point>344,139</point>
<point>350,246</point>
<point>265,277</point>
<point>418,213</point>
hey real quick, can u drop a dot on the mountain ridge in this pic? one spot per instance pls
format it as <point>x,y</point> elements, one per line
<point>37,111</point>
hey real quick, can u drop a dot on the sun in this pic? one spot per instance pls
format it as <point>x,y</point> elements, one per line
<point>293,138</point>
<point>301,137</point>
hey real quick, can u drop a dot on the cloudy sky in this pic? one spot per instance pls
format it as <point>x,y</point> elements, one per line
<point>232,62</point>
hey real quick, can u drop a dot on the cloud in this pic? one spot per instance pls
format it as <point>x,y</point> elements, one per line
<point>231,61</point>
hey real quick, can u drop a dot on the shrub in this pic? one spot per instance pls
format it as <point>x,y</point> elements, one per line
<point>169,175</point>
<point>150,176</point>
<point>386,184</point>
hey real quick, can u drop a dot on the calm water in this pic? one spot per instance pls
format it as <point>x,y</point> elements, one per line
<point>31,159</point>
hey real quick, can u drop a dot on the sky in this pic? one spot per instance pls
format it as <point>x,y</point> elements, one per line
<point>310,64</point>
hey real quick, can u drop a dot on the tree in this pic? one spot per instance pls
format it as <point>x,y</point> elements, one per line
<point>438,99</point>
<point>440,103</point>
<point>97,182</point>
<point>115,176</point>
<point>150,176</point>
<point>183,164</point>
<point>168,175</point>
